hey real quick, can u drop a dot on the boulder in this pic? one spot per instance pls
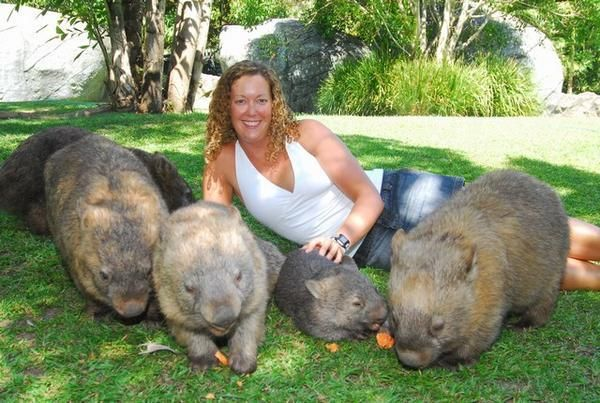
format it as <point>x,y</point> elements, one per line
<point>532,48</point>
<point>300,56</point>
<point>38,65</point>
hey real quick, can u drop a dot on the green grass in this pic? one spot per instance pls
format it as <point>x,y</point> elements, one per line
<point>51,351</point>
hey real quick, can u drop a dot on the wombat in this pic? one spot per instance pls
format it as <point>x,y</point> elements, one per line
<point>497,247</point>
<point>210,279</point>
<point>22,176</point>
<point>173,188</point>
<point>104,214</point>
<point>274,259</point>
<point>328,300</point>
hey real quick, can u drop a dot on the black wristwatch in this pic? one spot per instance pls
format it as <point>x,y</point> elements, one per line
<point>342,241</point>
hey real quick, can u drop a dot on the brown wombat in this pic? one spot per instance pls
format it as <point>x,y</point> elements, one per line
<point>497,247</point>
<point>210,279</point>
<point>104,213</point>
<point>22,176</point>
<point>328,300</point>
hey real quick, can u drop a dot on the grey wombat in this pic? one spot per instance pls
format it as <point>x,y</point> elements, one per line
<point>104,213</point>
<point>497,247</point>
<point>328,300</point>
<point>22,176</point>
<point>211,282</point>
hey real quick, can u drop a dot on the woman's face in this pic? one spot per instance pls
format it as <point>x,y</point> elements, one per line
<point>251,107</point>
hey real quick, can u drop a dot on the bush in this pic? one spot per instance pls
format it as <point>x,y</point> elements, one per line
<point>514,93</point>
<point>378,86</point>
<point>357,88</point>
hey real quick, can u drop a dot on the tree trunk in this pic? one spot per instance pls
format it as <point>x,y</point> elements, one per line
<point>444,34</point>
<point>187,27</point>
<point>151,99</point>
<point>120,82</point>
<point>133,11</point>
<point>205,9</point>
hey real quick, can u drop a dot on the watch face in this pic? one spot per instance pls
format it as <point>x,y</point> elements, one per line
<point>342,240</point>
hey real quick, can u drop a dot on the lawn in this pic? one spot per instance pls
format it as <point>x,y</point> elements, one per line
<point>51,351</point>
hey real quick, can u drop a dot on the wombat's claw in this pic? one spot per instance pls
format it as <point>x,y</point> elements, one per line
<point>241,364</point>
<point>202,363</point>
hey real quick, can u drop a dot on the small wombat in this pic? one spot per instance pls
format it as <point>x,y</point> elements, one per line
<point>22,176</point>
<point>211,282</point>
<point>328,300</point>
<point>497,247</point>
<point>104,213</point>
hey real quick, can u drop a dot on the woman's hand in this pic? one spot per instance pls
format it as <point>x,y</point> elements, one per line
<point>328,247</point>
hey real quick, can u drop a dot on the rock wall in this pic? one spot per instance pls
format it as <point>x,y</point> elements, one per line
<point>37,65</point>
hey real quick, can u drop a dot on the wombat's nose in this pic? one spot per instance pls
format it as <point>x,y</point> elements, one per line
<point>130,308</point>
<point>223,319</point>
<point>375,326</point>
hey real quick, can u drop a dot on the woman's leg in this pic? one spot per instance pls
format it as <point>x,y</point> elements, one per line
<point>581,273</point>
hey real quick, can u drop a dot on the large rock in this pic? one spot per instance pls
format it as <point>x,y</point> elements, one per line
<point>532,48</point>
<point>299,55</point>
<point>37,65</point>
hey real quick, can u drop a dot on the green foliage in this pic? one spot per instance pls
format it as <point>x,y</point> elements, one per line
<point>357,88</point>
<point>573,26</point>
<point>381,24</point>
<point>424,87</point>
<point>377,86</point>
<point>512,88</point>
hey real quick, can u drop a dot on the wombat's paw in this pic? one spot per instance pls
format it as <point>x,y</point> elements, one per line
<point>242,364</point>
<point>454,363</point>
<point>96,311</point>
<point>203,362</point>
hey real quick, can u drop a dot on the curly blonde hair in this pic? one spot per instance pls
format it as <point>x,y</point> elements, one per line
<point>219,130</point>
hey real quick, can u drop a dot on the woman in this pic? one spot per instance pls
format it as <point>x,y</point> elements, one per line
<point>256,150</point>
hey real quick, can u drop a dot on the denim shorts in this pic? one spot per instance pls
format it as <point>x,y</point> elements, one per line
<point>408,197</point>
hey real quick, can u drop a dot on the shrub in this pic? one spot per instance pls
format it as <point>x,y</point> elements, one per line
<point>513,90</point>
<point>378,86</point>
<point>357,88</point>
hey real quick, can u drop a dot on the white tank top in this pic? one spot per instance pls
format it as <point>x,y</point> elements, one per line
<point>315,208</point>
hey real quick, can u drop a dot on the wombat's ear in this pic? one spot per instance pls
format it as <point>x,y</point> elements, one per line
<point>99,192</point>
<point>94,216</point>
<point>468,251</point>
<point>398,238</point>
<point>234,212</point>
<point>349,263</point>
<point>162,164</point>
<point>319,288</point>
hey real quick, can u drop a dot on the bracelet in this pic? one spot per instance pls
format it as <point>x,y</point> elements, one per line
<point>342,240</point>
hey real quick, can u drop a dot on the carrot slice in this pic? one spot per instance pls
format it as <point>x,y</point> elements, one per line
<point>385,340</point>
<point>222,358</point>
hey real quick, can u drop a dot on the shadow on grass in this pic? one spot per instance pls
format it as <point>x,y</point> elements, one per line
<point>579,189</point>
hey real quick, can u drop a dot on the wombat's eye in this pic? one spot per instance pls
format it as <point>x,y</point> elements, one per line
<point>104,274</point>
<point>190,289</point>
<point>437,325</point>
<point>238,277</point>
<point>357,303</point>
